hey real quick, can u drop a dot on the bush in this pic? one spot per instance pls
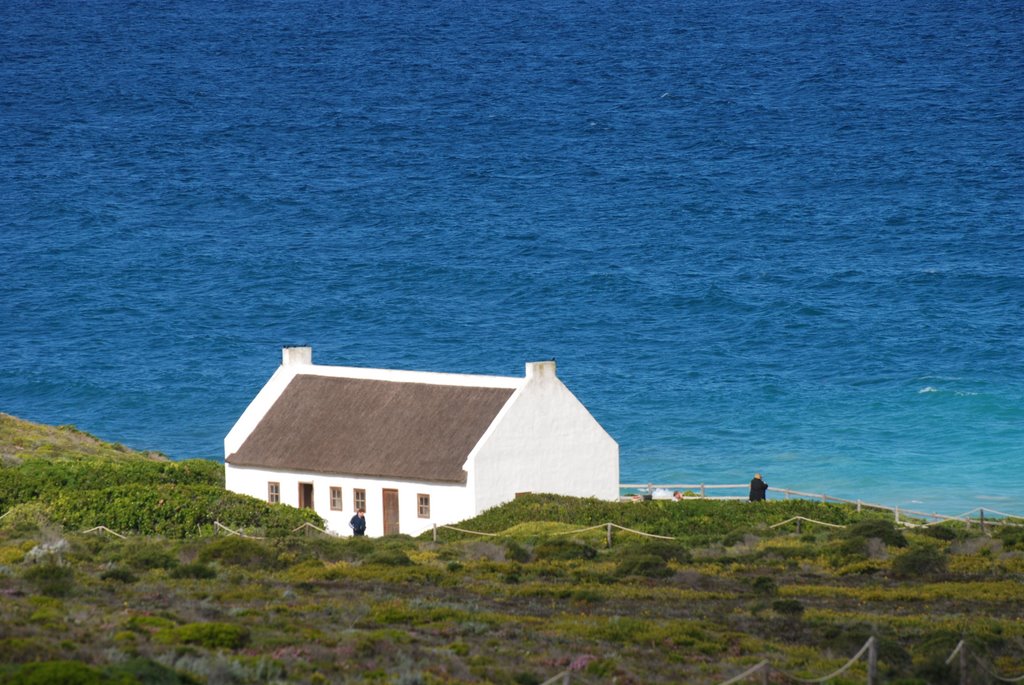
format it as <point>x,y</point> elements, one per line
<point>149,672</point>
<point>389,557</point>
<point>63,672</point>
<point>198,571</point>
<point>939,532</point>
<point>919,560</point>
<point>238,551</point>
<point>646,565</point>
<point>562,549</point>
<point>763,585</point>
<point>883,529</point>
<point>669,550</point>
<point>52,580</point>
<point>208,635</point>
<point>788,607</point>
<point>1011,537</point>
<point>851,549</point>
<point>516,552</point>
<point>121,575</point>
<point>144,556</point>
<point>172,509</point>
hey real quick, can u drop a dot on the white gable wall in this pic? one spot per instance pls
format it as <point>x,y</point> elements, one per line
<point>266,397</point>
<point>448,503</point>
<point>544,440</point>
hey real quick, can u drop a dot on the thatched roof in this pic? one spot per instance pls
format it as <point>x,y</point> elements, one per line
<point>372,428</point>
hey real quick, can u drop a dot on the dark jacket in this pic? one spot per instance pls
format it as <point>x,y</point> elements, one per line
<point>757,489</point>
<point>358,524</point>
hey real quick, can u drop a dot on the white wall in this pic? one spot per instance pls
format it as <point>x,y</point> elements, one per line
<point>448,503</point>
<point>544,440</point>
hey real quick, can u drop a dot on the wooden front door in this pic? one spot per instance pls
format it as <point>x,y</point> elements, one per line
<point>391,512</point>
<point>305,495</point>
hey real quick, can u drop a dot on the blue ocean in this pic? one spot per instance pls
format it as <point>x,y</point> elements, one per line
<point>784,237</point>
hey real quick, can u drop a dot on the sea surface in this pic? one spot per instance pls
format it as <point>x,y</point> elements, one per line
<point>784,237</point>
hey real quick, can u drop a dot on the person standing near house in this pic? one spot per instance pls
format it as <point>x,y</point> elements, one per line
<point>358,523</point>
<point>757,488</point>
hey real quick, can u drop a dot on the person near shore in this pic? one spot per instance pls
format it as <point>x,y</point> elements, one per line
<point>757,488</point>
<point>358,523</point>
<point>677,496</point>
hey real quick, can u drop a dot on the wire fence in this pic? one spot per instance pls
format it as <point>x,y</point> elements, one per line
<point>693,491</point>
<point>765,672</point>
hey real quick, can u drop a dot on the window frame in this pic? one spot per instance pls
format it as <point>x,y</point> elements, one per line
<point>337,498</point>
<point>423,507</point>
<point>273,492</point>
<point>358,499</point>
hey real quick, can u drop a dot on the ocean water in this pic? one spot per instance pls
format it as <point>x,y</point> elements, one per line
<point>755,235</point>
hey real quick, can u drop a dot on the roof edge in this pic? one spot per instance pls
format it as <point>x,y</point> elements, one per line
<point>337,474</point>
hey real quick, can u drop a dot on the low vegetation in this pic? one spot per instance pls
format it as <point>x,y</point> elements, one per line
<point>175,603</point>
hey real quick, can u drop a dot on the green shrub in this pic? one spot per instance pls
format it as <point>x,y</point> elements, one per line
<point>852,548</point>
<point>788,607</point>
<point>646,565</point>
<point>209,635</point>
<point>121,575</point>
<point>149,672</point>
<point>198,571</point>
<point>695,522</point>
<point>52,580</point>
<point>172,509</point>
<point>24,649</point>
<point>734,537</point>
<point>389,557</point>
<point>563,549</point>
<point>62,672</point>
<point>883,529</point>
<point>516,552</point>
<point>239,551</point>
<point>147,555</point>
<point>764,585</point>
<point>939,532</point>
<point>1011,537</point>
<point>919,560</point>
<point>669,550</point>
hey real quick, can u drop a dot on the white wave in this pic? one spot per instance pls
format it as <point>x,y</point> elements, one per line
<point>927,388</point>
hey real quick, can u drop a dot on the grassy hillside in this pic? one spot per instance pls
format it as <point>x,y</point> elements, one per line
<point>517,607</point>
<point>23,440</point>
<point>64,477</point>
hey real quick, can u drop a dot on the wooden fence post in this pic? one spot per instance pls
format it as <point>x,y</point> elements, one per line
<point>981,519</point>
<point>799,526</point>
<point>765,672</point>
<point>896,510</point>
<point>566,678</point>
<point>963,663</point>
<point>872,660</point>
<point>858,506</point>
<point>609,536</point>
<point>702,489</point>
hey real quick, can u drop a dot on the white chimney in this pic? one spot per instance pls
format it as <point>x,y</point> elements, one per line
<point>292,356</point>
<point>540,369</point>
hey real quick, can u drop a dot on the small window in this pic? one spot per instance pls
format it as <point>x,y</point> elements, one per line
<point>274,493</point>
<point>359,500</point>
<point>423,507</point>
<point>336,502</point>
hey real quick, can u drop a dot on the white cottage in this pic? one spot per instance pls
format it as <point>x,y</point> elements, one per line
<point>414,448</point>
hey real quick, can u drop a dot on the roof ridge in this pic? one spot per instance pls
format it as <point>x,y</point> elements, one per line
<point>410,376</point>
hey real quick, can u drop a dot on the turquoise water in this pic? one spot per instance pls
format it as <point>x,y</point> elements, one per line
<point>755,236</point>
